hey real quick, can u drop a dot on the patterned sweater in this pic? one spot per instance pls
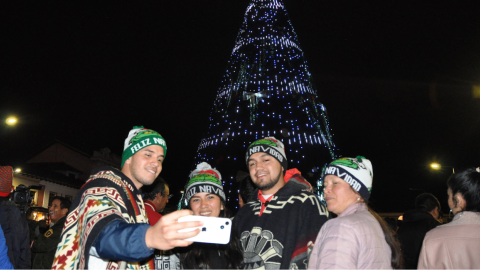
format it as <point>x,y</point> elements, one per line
<point>283,235</point>
<point>107,196</point>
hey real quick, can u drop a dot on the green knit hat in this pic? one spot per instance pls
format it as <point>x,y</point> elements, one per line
<point>205,179</point>
<point>139,138</point>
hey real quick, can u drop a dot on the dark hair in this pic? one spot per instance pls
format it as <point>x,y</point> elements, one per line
<point>467,184</point>
<point>196,256</point>
<point>396,260</point>
<point>247,190</point>
<point>64,202</point>
<point>151,191</point>
<point>427,202</point>
<point>392,223</point>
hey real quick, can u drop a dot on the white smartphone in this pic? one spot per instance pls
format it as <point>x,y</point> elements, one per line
<point>215,230</point>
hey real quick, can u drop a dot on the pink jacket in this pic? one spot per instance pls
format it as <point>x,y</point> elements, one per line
<point>453,245</point>
<point>353,240</point>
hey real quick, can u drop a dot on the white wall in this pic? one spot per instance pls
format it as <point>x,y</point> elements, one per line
<point>59,189</point>
<point>49,187</point>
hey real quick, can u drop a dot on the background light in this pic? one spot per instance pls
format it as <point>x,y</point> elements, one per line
<point>435,166</point>
<point>11,121</point>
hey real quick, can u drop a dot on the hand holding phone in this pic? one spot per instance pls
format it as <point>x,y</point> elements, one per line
<point>215,230</point>
<point>165,235</point>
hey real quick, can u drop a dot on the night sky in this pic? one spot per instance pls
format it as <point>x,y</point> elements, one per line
<point>395,76</point>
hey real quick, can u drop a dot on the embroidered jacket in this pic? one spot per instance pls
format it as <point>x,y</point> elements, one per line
<point>281,233</point>
<point>106,197</point>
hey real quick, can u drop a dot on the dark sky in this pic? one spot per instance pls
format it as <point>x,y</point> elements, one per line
<point>395,76</point>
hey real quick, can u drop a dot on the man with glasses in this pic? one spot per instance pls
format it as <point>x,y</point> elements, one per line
<point>155,199</point>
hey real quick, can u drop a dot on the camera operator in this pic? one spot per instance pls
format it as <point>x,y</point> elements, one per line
<point>13,223</point>
<point>45,245</point>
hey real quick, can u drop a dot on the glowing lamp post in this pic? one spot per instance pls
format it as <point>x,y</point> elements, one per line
<point>11,121</point>
<point>437,167</point>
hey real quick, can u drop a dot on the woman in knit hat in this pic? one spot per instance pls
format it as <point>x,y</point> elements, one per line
<point>205,197</point>
<point>358,238</point>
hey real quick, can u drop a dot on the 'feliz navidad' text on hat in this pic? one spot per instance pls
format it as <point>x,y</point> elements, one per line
<point>139,138</point>
<point>357,172</point>
<point>271,146</point>
<point>204,179</point>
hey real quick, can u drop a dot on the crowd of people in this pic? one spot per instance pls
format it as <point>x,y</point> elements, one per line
<point>114,222</point>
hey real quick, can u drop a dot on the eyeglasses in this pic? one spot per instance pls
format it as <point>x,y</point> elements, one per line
<point>170,196</point>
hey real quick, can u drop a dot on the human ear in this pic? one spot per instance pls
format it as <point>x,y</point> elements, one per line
<point>460,202</point>
<point>128,161</point>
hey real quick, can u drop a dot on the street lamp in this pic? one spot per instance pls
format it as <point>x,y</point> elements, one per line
<point>12,120</point>
<point>438,167</point>
<point>435,166</point>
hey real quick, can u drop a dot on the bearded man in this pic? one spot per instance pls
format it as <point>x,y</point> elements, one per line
<point>278,229</point>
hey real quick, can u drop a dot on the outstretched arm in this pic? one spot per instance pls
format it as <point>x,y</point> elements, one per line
<point>120,240</point>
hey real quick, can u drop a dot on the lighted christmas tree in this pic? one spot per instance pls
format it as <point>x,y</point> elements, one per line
<point>267,90</point>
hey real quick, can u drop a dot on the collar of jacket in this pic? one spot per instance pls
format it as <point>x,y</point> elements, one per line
<point>356,207</point>
<point>150,203</point>
<point>128,183</point>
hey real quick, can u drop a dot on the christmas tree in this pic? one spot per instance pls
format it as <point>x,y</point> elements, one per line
<point>267,90</point>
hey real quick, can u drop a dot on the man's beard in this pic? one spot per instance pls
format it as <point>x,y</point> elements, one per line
<point>269,185</point>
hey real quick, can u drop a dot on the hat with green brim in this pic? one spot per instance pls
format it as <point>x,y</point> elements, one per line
<point>139,138</point>
<point>205,179</point>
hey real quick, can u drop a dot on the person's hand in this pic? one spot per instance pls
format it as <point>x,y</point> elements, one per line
<point>164,235</point>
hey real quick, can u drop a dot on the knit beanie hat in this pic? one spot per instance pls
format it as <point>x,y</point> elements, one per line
<point>205,179</point>
<point>271,146</point>
<point>6,177</point>
<point>357,172</point>
<point>139,138</point>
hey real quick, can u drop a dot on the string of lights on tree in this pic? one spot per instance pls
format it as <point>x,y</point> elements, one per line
<point>267,90</point>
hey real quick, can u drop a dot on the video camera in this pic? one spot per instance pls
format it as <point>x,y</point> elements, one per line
<point>21,196</point>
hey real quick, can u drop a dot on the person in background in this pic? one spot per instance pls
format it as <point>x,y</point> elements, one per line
<point>358,238</point>
<point>155,199</point>
<point>14,223</point>
<point>210,204</point>
<point>247,191</point>
<point>45,245</point>
<point>277,230</point>
<point>107,226</point>
<point>4,260</point>
<point>455,245</point>
<point>416,223</point>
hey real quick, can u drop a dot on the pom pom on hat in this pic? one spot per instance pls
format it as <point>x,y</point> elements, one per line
<point>357,172</point>
<point>139,138</point>
<point>205,179</point>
